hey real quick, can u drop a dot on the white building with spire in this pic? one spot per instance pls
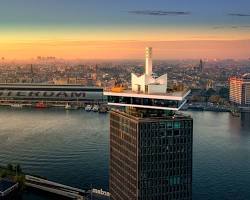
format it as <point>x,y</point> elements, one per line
<point>147,83</point>
<point>148,91</point>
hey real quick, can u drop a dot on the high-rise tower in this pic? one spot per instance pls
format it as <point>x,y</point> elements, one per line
<point>150,145</point>
<point>201,66</point>
<point>240,91</point>
<point>149,64</point>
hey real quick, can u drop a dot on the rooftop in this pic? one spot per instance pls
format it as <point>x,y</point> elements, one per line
<point>175,95</point>
<point>148,91</point>
<point>6,184</point>
<point>151,117</point>
<point>246,76</point>
<point>96,194</point>
<point>38,85</point>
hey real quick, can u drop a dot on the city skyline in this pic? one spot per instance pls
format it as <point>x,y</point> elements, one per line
<point>121,30</point>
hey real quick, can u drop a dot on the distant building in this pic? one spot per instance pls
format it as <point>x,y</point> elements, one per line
<point>201,65</point>
<point>32,93</point>
<point>199,68</point>
<point>70,81</point>
<point>240,91</point>
<point>46,58</point>
<point>150,146</point>
<point>210,84</point>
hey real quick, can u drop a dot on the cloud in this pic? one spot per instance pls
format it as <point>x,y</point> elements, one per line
<point>159,12</point>
<point>232,27</point>
<point>239,14</point>
<point>218,27</point>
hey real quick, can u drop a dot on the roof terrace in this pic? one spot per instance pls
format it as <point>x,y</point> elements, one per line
<point>167,101</point>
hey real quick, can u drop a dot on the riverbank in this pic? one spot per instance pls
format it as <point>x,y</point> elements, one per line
<point>72,148</point>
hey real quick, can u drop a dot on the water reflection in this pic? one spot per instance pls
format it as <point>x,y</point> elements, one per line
<point>240,125</point>
<point>72,147</point>
<point>245,122</point>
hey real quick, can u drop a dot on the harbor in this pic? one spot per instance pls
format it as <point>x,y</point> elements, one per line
<point>41,96</point>
<point>235,112</point>
<point>65,191</point>
<point>13,182</point>
<point>72,148</point>
<point>101,108</point>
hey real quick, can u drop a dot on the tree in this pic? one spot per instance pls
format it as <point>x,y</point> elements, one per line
<point>196,98</point>
<point>3,174</point>
<point>18,169</point>
<point>210,92</point>
<point>224,93</point>
<point>10,167</point>
<point>215,99</point>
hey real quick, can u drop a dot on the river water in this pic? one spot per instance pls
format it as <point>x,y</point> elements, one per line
<point>72,147</point>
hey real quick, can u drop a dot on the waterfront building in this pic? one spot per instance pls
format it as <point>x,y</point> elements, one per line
<point>150,144</point>
<point>240,91</point>
<point>32,93</point>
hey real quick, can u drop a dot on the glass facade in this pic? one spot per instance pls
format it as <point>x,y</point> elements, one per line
<point>165,159</point>
<point>150,157</point>
<point>123,180</point>
<point>145,101</point>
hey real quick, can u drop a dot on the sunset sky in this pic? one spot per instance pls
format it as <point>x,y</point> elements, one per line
<point>117,29</point>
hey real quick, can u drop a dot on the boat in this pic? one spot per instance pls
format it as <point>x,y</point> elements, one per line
<point>74,107</point>
<point>235,114</point>
<point>40,105</point>
<point>95,108</point>
<point>70,107</point>
<point>103,109</point>
<point>16,105</point>
<point>88,108</point>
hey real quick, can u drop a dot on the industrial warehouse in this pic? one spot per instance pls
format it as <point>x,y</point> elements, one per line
<point>39,94</point>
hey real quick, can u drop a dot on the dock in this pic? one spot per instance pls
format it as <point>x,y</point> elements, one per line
<point>55,188</point>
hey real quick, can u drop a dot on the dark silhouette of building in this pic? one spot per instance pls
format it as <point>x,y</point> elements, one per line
<point>150,155</point>
<point>201,66</point>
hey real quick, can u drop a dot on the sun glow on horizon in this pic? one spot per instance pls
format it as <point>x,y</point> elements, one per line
<point>118,43</point>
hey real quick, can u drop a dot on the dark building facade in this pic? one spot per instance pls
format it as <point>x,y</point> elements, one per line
<point>150,155</point>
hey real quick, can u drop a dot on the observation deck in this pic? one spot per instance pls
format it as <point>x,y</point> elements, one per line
<point>163,101</point>
<point>148,91</point>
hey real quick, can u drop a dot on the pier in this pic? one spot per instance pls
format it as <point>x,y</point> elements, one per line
<point>55,188</point>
